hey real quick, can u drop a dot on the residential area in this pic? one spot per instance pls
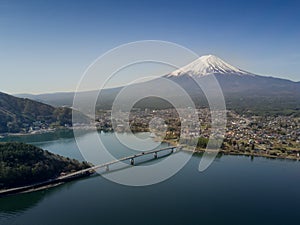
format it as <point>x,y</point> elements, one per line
<point>274,136</point>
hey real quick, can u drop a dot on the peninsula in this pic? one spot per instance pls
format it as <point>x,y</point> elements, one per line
<point>26,167</point>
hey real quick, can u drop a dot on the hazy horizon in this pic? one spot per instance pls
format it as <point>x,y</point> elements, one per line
<point>46,46</point>
<point>125,72</point>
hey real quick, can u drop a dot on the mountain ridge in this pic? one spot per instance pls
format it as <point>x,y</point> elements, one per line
<point>242,90</point>
<point>21,114</point>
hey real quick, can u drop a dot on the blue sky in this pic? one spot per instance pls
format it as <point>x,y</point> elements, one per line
<point>45,46</point>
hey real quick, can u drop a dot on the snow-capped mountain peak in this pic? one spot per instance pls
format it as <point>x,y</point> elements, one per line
<point>207,64</point>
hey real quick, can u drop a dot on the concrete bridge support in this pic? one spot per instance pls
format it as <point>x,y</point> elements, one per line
<point>132,161</point>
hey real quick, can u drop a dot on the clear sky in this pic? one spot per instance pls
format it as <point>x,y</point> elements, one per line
<point>45,46</point>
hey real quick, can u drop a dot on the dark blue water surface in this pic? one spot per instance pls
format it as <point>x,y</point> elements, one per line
<point>233,190</point>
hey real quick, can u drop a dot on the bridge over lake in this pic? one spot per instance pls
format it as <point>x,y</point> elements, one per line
<point>130,158</point>
<point>84,172</point>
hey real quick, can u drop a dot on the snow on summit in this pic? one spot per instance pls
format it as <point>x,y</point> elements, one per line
<point>207,64</point>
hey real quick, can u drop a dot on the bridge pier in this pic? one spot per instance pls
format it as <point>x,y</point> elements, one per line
<point>132,161</point>
<point>155,155</point>
<point>107,168</point>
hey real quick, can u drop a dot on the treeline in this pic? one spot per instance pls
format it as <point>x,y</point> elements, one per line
<point>23,164</point>
<point>265,105</point>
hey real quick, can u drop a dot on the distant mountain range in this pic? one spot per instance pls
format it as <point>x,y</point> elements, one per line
<point>243,91</point>
<point>20,114</point>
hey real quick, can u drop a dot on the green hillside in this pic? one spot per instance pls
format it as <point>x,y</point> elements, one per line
<point>23,164</point>
<point>21,115</point>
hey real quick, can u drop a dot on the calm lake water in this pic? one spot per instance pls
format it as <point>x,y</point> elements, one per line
<point>234,190</point>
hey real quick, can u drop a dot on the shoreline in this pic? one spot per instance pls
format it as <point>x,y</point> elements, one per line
<point>173,142</point>
<point>41,185</point>
<point>229,152</point>
<point>46,131</point>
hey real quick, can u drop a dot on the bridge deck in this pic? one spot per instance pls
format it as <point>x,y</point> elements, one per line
<point>116,161</point>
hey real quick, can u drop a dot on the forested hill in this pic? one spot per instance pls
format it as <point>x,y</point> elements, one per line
<point>20,115</point>
<point>23,164</point>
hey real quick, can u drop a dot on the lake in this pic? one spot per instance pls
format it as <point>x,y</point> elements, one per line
<point>233,190</point>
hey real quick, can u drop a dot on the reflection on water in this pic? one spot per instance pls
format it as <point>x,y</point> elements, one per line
<point>62,142</point>
<point>234,190</point>
<point>22,202</point>
<point>13,206</point>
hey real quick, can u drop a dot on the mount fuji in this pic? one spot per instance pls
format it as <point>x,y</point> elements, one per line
<point>243,91</point>
<point>207,65</point>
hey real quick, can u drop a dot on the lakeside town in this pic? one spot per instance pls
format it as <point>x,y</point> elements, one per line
<point>271,136</point>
